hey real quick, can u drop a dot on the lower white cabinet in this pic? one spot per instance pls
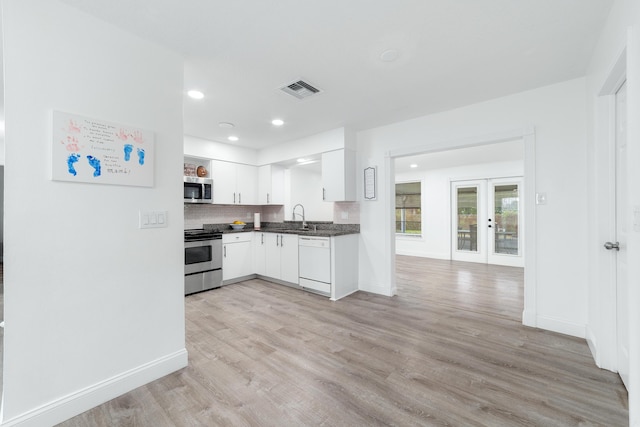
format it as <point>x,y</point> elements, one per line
<point>259,253</point>
<point>281,256</point>
<point>237,255</point>
<point>344,265</point>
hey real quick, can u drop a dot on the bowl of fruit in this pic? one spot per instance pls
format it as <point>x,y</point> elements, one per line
<point>237,225</point>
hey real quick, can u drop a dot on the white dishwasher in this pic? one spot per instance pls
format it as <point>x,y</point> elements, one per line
<point>314,263</point>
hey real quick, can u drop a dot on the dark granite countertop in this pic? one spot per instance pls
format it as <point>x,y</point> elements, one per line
<point>323,229</point>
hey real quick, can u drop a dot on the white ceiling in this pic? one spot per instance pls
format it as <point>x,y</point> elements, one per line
<point>451,53</point>
<point>489,153</point>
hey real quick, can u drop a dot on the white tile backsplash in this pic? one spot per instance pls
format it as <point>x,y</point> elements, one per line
<point>195,216</point>
<point>346,213</point>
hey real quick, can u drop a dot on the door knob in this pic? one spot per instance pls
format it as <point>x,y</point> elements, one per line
<point>609,246</point>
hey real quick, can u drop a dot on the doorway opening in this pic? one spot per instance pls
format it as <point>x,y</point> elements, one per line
<point>445,195</point>
<point>435,242</point>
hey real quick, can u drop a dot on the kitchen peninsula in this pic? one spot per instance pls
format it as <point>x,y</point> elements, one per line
<point>322,258</point>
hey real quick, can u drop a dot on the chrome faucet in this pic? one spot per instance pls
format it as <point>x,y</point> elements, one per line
<point>304,223</point>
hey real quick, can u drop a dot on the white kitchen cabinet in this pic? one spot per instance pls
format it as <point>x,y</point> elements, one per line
<point>289,258</point>
<point>247,184</point>
<point>344,265</point>
<point>281,257</point>
<point>234,183</point>
<point>237,255</point>
<point>271,185</point>
<point>339,176</point>
<point>259,253</point>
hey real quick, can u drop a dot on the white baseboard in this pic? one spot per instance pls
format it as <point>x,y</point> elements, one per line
<point>561,326</point>
<point>593,345</point>
<point>529,318</point>
<point>423,254</point>
<point>376,289</point>
<point>76,403</point>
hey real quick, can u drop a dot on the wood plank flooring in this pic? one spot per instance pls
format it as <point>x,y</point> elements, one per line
<point>448,350</point>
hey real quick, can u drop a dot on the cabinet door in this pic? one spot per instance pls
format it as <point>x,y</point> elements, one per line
<point>224,182</point>
<point>289,258</point>
<point>246,184</point>
<point>271,185</point>
<point>272,258</point>
<point>338,176</point>
<point>237,260</point>
<point>333,176</point>
<point>264,184</point>
<point>259,254</point>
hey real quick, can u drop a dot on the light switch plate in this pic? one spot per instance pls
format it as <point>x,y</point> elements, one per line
<point>152,219</point>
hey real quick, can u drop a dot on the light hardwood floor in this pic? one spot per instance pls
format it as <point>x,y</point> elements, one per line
<point>449,349</point>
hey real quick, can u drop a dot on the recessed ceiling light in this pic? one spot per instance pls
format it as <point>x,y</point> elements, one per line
<point>233,138</point>
<point>277,122</point>
<point>226,125</point>
<point>413,165</point>
<point>389,55</point>
<point>195,94</point>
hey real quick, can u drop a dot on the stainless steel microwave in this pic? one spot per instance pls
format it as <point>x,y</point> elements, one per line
<point>198,190</point>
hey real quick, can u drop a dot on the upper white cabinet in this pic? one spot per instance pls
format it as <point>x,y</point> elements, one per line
<point>234,183</point>
<point>247,184</point>
<point>271,185</point>
<point>339,176</point>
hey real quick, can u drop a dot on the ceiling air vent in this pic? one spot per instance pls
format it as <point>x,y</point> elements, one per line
<point>300,89</point>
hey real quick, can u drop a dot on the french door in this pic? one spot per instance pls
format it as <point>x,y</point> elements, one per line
<point>487,221</point>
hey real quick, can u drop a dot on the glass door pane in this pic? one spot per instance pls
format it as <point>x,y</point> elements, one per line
<point>506,213</point>
<point>467,203</point>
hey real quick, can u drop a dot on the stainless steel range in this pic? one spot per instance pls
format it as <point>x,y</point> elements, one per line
<point>202,260</point>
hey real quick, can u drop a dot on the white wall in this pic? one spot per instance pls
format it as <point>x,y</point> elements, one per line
<point>622,31</point>
<point>204,148</point>
<point>435,241</point>
<point>93,305</point>
<point>305,187</point>
<point>334,139</point>
<point>558,114</point>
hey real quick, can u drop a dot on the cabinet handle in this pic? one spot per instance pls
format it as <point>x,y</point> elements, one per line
<point>225,251</point>
<point>240,198</point>
<point>262,239</point>
<point>277,243</point>
<point>234,198</point>
<point>281,242</point>
<point>323,194</point>
<point>267,198</point>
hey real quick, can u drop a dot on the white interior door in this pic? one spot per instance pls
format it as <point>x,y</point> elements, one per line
<point>620,246</point>
<point>487,219</point>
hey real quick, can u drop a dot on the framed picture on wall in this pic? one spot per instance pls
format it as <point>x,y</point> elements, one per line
<point>370,183</point>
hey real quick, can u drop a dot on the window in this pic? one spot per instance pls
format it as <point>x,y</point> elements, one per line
<point>409,208</point>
